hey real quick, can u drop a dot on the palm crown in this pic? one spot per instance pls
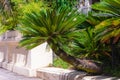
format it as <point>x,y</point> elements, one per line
<point>55,27</point>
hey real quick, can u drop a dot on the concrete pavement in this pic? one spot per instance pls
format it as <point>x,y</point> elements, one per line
<point>8,75</point>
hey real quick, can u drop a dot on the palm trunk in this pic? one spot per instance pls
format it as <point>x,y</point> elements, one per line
<point>80,64</point>
<point>114,53</point>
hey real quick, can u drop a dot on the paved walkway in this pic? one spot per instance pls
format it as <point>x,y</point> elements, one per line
<point>8,75</point>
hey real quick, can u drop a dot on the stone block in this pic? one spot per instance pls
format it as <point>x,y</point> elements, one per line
<point>4,65</point>
<point>2,37</point>
<point>0,64</point>
<point>2,52</point>
<point>10,66</point>
<point>51,73</point>
<point>24,71</point>
<point>39,57</point>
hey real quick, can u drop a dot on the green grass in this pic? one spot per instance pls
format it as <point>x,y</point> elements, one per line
<point>60,63</point>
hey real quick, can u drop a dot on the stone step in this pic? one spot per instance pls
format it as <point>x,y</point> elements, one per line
<point>52,73</point>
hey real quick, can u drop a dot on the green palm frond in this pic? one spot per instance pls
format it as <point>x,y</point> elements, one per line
<point>87,46</point>
<point>112,7</point>
<point>55,27</point>
<point>109,28</point>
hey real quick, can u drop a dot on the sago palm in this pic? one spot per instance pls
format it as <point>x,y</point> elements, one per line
<point>88,46</point>
<point>109,28</point>
<point>57,28</point>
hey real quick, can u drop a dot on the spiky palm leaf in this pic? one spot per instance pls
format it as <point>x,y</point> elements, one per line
<point>87,46</point>
<point>108,6</point>
<point>111,27</point>
<point>54,27</point>
<point>108,29</point>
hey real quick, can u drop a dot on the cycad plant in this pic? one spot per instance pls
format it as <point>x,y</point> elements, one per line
<point>57,28</point>
<point>87,46</point>
<point>110,27</point>
<point>109,30</point>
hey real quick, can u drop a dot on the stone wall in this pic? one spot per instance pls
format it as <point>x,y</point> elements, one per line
<point>20,60</point>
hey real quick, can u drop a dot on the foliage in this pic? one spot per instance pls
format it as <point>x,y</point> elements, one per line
<point>28,8</point>
<point>108,30</point>
<point>55,27</point>
<point>6,16</point>
<point>60,63</point>
<point>60,3</point>
<point>112,71</point>
<point>18,8</point>
<point>111,27</point>
<point>108,6</point>
<point>107,26</point>
<point>89,47</point>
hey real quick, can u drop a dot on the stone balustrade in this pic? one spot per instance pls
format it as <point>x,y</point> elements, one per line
<point>20,60</point>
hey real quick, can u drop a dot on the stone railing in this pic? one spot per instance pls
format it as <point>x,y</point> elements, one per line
<point>20,60</point>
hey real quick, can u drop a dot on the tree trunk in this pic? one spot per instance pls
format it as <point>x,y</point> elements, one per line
<point>114,53</point>
<point>80,64</point>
